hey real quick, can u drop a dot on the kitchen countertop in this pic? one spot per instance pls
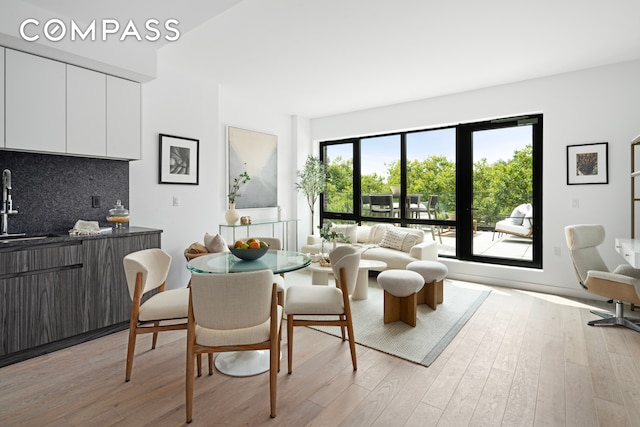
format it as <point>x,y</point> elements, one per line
<point>11,244</point>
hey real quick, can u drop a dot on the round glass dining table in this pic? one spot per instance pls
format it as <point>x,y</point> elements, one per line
<point>279,262</point>
<point>254,362</point>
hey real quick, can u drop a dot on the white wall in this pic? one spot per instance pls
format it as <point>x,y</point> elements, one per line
<point>181,104</point>
<point>596,105</point>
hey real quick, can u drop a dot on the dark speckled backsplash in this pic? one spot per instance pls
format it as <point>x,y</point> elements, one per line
<point>52,192</point>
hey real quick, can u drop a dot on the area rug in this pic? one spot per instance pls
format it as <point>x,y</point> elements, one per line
<point>434,330</point>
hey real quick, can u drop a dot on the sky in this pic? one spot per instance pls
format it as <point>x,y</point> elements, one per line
<point>494,145</point>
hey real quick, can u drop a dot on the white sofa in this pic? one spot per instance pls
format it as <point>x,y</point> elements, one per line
<point>396,246</point>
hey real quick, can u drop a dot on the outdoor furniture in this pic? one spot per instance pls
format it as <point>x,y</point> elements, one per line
<point>433,273</point>
<point>382,204</point>
<point>401,288</point>
<point>519,223</point>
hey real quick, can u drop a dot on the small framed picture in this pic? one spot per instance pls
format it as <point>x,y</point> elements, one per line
<point>179,160</point>
<point>587,164</point>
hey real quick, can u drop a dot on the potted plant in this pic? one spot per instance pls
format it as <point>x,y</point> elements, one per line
<point>232,215</point>
<point>312,182</point>
<point>328,234</point>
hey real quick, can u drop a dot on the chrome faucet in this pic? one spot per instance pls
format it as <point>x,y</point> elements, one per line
<point>7,202</point>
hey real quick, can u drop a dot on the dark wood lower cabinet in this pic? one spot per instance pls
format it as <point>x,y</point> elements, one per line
<point>40,308</point>
<point>106,295</point>
<point>56,295</point>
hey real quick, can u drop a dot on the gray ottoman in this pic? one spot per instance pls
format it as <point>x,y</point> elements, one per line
<point>433,273</point>
<point>401,288</point>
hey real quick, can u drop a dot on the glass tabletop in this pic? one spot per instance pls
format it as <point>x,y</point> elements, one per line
<point>225,262</point>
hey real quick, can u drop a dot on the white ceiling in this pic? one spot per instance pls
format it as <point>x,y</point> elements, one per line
<point>322,57</point>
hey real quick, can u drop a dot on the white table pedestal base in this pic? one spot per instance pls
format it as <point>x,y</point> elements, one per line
<point>243,363</point>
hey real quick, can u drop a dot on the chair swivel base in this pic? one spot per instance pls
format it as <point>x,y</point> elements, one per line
<point>615,319</point>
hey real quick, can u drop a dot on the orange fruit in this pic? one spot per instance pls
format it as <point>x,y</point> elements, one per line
<point>238,243</point>
<point>254,245</point>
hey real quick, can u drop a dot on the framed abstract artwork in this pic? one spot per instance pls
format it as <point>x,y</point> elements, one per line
<point>179,160</point>
<point>257,154</point>
<point>587,164</point>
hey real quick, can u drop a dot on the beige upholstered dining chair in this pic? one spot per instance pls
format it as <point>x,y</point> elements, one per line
<point>233,312</point>
<point>328,305</point>
<point>622,285</point>
<point>147,270</point>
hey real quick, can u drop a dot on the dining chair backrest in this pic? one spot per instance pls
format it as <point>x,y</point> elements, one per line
<point>382,200</point>
<point>231,301</point>
<point>273,242</point>
<point>349,261</point>
<point>154,265</point>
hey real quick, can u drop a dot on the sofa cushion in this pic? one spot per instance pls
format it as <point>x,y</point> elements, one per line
<point>401,239</point>
<point>362,233</point>
<point>377,232</point>
<point>349,230</point>
<point>518,214</point>
<point>393,239</point>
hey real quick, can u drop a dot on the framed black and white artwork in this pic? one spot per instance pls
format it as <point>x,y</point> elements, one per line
<point>179,160</point>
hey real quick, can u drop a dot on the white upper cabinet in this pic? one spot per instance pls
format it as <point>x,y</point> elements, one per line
<point>34,103</point>
<point>1,97</point>
<point>86,112</point>
<point>123,118</point>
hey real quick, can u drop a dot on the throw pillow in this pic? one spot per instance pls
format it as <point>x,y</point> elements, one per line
<point>393,239</point>
<point>410,241</point>
<point>377,233</point>
<point>215,244</point>
<point>349,230</point>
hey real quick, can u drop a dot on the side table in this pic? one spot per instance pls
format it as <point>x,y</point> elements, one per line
<point>319,274</point>
<point>362,282</point>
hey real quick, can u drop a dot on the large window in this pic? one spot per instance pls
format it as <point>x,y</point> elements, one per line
<point>464,185</point>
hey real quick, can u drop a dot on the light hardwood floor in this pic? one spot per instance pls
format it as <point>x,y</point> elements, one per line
<point>524,359</point>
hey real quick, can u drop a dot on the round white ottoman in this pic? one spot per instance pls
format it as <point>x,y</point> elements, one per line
<point>433,273</point>
<point>400,295</point>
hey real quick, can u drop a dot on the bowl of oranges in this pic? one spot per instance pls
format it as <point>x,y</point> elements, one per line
<point>250,249</point>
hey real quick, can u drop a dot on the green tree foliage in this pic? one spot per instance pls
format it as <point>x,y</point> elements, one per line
<point>498,187</point>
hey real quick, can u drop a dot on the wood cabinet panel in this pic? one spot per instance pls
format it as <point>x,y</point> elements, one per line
<point>107,299</point>
<point>40,258</point>
<point>40,308</point>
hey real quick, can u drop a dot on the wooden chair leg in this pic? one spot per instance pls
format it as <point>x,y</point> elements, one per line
<point>289,341</point>
<point>131,349</point>
<point>352,343</point>
<point>199,364</point>
<point>342,328</point>
<point>155,335</point>
<point>189,384</point>
<point>440,291</point>
<point>274,357</point>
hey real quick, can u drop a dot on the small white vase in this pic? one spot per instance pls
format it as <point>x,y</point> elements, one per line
<point>232,215</point>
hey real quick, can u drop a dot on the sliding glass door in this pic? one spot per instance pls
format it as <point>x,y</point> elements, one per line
<point>473,188</point>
